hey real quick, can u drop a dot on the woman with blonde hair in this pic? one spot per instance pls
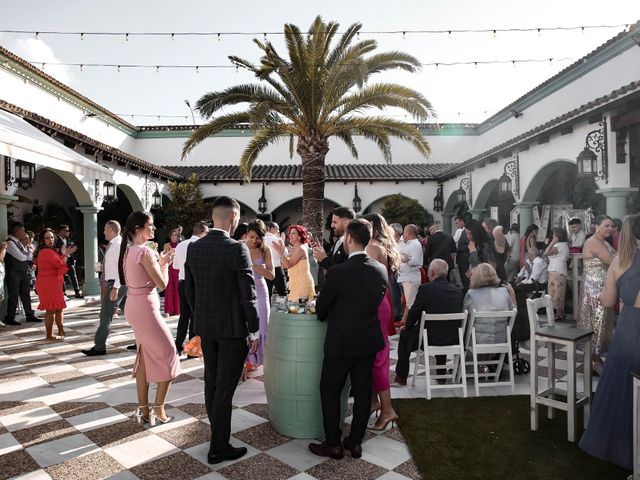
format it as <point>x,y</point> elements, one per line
<point>382,248</point>
<point>609,434</point>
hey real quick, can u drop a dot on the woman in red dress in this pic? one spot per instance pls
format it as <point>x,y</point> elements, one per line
<point>51,266</point>
<point>171,298</point>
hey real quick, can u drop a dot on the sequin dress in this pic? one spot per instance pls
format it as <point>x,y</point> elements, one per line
<point>593,315</point>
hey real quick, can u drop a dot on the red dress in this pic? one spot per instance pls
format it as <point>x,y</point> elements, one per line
<point>171,298</point>
<point>49,279</point>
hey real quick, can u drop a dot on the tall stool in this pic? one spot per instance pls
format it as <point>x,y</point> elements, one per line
<point>563,336</point>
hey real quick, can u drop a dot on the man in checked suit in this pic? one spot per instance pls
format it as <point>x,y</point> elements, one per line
<point>348,302</point>
<point>221,292</point>
<point>339,221</point>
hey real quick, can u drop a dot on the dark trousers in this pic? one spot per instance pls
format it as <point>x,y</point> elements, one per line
<point>277,282</point>
<point>334,375</point>
<point>407,343</point>
<point>73,278</point>
<point>463,268</point>
<point>223,362</point>
<point>185,322</point>
<point>107,309</point>
<point>18,287</point>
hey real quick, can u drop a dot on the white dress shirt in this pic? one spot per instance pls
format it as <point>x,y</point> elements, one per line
<point>181,255</point>
<point>539,271</point>
<point>270,239</point>
<point>17,252</point>
<point>578,239</point>
<point>410,270</point>
<point>558,262</point>
<point>456,236</point>
<point>111,257</point>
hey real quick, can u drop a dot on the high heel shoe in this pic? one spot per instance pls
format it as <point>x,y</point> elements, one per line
<point>375,410</point>
<point>156,417</point>
<point>381,424</point>
<point>139,416</point>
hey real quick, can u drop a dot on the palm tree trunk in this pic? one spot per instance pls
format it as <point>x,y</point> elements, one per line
<point>313,151</point>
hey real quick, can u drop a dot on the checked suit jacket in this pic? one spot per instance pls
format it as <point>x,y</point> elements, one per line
<point>220,288</point>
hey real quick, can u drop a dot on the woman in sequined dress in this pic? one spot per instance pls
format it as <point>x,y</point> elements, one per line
<point>597,255</point>
<point>609,434</point>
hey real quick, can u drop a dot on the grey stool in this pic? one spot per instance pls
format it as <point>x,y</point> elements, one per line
<point>568,337</point>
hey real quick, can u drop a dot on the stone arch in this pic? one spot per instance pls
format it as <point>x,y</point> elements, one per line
<point>450,206</point>
<point>132,196</point>
<point>377,200</point>
<point>540,178</point>
<point>485,192</point>
<point>76,186</point>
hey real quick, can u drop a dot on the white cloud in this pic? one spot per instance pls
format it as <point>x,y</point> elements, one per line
<point>36,50</point>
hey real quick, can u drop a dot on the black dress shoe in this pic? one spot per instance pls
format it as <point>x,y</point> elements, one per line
<point>325,450</point>
<point>11,322</point>
<point>33,319</point>
<point>355,449</point>
<point>232,453</point>
<point>132,347</point>
<point>92,352</point>
<point>78,295</point>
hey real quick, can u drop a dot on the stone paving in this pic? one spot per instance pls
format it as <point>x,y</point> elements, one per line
<point>64,415</point>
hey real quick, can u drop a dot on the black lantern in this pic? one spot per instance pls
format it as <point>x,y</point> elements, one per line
<point>110,192</point>
<point>25,174</point>
<point>461,195</point>
<point>438,200</point>
<point>156,200</point>
<point>262,202</point>
<point>587,162</point>
<point>504,184</point>
<point>357,201</point>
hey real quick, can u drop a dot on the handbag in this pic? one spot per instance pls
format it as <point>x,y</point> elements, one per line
<point>193,348</point>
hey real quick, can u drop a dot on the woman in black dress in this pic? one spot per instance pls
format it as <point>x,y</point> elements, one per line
<point>609,433</point>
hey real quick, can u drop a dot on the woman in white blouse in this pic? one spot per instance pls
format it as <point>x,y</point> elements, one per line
<point>558,254</point>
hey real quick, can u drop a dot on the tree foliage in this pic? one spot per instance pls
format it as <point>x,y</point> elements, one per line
<point>321,88</point>
<point>187,204</point>
<point>400,209</point>
<point>584,195</point>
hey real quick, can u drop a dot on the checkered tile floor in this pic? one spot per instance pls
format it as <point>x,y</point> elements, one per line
<point>68,416</point>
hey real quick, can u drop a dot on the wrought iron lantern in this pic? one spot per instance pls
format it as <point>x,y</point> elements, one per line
<point>461,195</point>
<point>357,201</point>
<point>438,200</point>
<point>156,200</point>
<point>262,202</point>
<point>110,192</point>
<point>504,184</point>
<point>587,162</point>
<point>24,174</point>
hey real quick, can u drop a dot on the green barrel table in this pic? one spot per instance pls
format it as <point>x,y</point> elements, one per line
<point>292,368</point>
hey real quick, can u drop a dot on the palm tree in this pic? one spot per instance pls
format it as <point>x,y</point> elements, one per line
<point>321,90</point>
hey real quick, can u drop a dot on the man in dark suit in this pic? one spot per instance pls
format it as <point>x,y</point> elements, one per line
<point>348,302</point>
<point>462,255</point>
<point>439,245</point>
<point>437,296</point>
<point>62,240</point>
<point>221,292</point>
<point>339,221</point>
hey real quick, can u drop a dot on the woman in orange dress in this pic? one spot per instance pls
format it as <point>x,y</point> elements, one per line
<point>51,266</point>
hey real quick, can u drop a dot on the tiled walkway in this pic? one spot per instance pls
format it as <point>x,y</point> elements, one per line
<point>64,415</point>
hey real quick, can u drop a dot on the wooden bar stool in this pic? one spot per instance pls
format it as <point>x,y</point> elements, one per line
<point>563,336</point>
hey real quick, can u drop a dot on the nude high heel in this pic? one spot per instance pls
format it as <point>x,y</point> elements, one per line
<point>139,416</point>
<point>157,418</point>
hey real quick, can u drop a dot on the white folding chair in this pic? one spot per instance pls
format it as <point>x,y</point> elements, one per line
<point>457,352</point>
<point>501,349</point>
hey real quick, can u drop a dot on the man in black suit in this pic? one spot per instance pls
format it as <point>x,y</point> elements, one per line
<point>62,240</point>
<point>339,221</point>
<point>439,245</point>
<point>462,255</point>
<point>221,292</point>
<point>437,296</point>
<point>348,302</point>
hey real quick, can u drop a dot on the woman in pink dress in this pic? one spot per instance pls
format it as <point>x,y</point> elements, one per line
<point>171,298</point>
<point>382,248</point>
<point>143,270</point>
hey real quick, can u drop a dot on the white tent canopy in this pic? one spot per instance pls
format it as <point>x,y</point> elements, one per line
<point>22,141</point>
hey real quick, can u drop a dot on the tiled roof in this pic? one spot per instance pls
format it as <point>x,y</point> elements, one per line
<point>349,172</point>
<point>545,128</point>
<point>116,154</point>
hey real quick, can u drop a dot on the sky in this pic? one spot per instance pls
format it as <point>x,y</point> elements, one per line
<point>463,93</point>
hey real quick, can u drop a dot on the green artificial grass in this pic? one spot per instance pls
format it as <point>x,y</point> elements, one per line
<point>489,438</point>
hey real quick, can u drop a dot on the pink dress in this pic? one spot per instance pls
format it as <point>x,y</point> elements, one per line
<point>380,369</point>
<point>171,298</point>
<point>142,310</point>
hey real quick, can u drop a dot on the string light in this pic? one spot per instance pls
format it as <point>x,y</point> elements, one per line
<point>82,36</point>
<point>219,37</point>
<point>126,37</point>
<point>404,35</point>
<point>197,68</point>
<point>173,37</point>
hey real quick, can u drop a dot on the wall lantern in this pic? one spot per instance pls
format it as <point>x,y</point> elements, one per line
<point>511,171</point>
<point>357,201</point>
<point>438,200</point>
<point>262,202</point>
<point>587,161</point>
<point>24,174</point>
<point>156,200</point>
<point>110,192</point>
<point>465,187</point>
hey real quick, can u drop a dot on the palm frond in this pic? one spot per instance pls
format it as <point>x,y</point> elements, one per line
<point>261,140</point>
<point>211,102</point>
<point>393,60</point>
<point>347,139</point>
<point>214,126</point>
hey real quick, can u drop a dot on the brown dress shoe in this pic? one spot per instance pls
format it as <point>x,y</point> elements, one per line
<point>325,450</point>
<point>400,381</point>
<point>355,449</point>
